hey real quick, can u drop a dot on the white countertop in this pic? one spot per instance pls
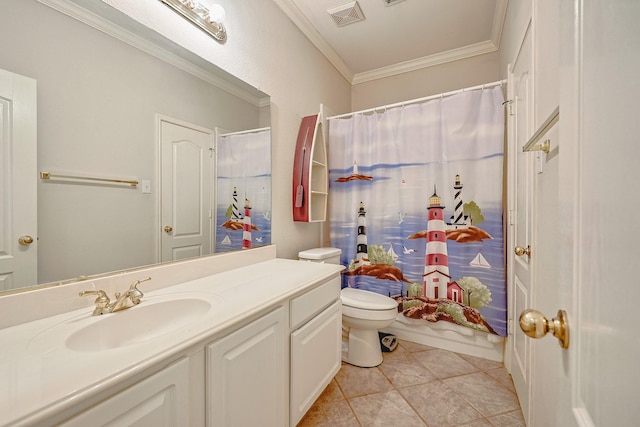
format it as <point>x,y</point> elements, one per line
<point>41,376</point>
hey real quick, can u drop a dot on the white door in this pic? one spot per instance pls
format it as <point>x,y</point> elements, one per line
<point>520,217</point>
<point>584,246</point>
<point>600,46</point>
<point>18,181</point>
<point>549,294</point>
<point>186,174</point>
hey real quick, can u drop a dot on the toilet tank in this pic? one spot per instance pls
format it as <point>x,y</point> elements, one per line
<point>326,255</point>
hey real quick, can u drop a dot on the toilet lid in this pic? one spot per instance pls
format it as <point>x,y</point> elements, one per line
<point>319,253</point>
<point>359,298</point>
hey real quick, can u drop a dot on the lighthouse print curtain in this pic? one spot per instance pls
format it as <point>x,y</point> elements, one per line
<point>416,207</point>
<point>243,211</point>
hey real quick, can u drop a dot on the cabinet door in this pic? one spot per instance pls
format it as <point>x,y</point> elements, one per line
<point>161,400</point>
<point>246,375</point>
<point>315,358</point>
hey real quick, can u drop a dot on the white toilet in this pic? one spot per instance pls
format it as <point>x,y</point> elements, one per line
<point>364,313</point>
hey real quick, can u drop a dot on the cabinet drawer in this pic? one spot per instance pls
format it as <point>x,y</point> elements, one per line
<point>308,305</point>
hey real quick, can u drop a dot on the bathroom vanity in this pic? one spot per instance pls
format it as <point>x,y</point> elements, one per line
<point>250,345</point>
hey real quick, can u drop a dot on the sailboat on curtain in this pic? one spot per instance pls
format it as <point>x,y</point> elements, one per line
<point>480,261</point>
<point>392,253</point>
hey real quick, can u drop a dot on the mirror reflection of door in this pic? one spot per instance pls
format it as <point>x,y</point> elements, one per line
<point>186,189</point>
<point>18,181</point>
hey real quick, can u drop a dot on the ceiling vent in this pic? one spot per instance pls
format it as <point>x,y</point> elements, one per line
<point>346,14</point>
<point>391,2</point>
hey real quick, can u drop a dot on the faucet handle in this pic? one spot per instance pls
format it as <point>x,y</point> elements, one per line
<point>134,293</point>
<point>102,301</point>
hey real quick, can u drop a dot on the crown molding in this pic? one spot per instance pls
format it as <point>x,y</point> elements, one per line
<point>499,16</point>
<point>426,61</point>
<point>300,20</point>
<point>102,24</point>
<point>492,45</point>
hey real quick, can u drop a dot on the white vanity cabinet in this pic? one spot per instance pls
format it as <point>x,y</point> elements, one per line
<point>246,371</point>
<point>161,400</point>
<point>316,323</point>
<point>260,355</point>
<point>246,379</point>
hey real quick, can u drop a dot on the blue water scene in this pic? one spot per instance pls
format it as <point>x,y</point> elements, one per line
<point>255,190</point>
<point>395,212</point>
<point>411,259</point>
<point>231,240</point>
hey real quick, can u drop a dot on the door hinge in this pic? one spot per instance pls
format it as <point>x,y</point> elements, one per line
<point>510,216</point>
<point>211,151</point>
<point>210,214</point>
<point>510,326</point>
<point>509,103</point>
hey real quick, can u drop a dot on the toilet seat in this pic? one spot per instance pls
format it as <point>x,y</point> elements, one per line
<point>363,314</point>
<point>366,300</point>
<point>367,305</point>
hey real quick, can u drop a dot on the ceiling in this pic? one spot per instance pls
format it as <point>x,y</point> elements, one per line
<point>404,36</point>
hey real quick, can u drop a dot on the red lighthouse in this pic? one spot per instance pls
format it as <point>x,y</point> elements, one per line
<point>246,226</point>
<point>436,270</point>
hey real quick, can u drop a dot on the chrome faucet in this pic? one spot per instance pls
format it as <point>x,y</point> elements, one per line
<point>123,301</point>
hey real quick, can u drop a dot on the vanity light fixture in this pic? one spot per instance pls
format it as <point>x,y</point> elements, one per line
<point>205,14</point>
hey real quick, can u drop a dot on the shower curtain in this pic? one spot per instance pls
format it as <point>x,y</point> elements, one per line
<point>416,206</point>
<point>243,211</point>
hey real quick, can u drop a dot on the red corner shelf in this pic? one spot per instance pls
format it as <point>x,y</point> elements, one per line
<point>310,172</point>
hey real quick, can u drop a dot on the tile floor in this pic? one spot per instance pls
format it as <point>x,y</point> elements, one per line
<point>417,385</point>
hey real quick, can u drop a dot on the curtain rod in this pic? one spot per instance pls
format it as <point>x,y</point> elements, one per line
<point>419,100</point>
<point>240,132</point>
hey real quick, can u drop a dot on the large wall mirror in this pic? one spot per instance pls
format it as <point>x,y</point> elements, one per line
<point>118,101</point>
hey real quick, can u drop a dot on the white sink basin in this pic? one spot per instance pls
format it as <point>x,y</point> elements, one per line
<point>136,324</point>
<point>150,319</point>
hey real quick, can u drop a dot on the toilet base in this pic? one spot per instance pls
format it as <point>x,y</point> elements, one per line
<point>361,347</point>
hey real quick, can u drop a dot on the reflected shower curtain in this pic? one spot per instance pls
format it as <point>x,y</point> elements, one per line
<point>243,211</point>
<point>416,207</point>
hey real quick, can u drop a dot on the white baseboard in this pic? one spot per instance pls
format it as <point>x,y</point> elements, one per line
<point>449,336</point>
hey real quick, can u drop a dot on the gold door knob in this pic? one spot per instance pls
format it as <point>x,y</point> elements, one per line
<point>25,240</point>
<point>168,229</point>
<point>535,325</point>
<point>521,251</point>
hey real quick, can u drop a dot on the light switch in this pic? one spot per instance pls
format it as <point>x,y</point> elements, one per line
<point>146,187</point>
<point>541,159</point>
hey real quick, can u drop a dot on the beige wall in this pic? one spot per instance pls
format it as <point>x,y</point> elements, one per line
<point>264,48</point>
<point>97,100</point>
<point>427,81</point>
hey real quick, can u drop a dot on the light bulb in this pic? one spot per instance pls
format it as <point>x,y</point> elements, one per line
<point>217,13</point>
